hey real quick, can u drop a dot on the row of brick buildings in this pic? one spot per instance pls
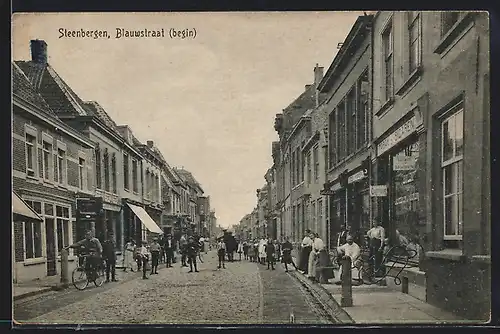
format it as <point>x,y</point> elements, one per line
<point>397,129</point>
<point>77,169</point>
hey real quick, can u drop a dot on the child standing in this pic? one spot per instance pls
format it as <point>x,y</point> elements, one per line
<point>221,252</point>
<point>144,255</point>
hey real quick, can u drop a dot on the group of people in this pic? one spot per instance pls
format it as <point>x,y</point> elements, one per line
<point>314,260</point>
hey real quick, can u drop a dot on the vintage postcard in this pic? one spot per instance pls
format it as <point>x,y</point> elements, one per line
<point>251,168</point>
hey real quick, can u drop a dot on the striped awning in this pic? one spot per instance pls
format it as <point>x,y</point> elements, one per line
<point>20,208</point>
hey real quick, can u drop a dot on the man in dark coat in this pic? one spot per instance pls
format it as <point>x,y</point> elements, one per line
<point>270,252</point>
<point>169,250</point>
<point>192,251</point>
<point>109,255</point>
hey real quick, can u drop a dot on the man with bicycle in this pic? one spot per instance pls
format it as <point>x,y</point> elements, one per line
<point>92,248</point>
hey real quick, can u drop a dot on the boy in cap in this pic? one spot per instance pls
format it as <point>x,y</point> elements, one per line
<point>155,249</point>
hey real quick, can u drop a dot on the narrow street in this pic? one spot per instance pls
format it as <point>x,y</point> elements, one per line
<point>243,293</point>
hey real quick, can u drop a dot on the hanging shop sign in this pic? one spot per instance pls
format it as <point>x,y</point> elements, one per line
<point>378,191</point>
<point>331,191</point>
<point>401,162</point>
<point>356,177</point>
<point>399,134</point>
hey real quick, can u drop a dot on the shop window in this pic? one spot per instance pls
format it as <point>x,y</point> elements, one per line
<point>30,155</point>
<point>452,169</point>
<point>406,196</point>
<point>33,234</point>
<point>62,221</point>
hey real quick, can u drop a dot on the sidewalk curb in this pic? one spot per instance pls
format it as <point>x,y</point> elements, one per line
<point>326,299</point>
<point>32,293</point>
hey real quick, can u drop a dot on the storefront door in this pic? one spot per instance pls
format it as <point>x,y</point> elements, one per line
<point>50,242</point>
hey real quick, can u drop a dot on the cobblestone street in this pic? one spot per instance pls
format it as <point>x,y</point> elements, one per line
<point>242,293</point>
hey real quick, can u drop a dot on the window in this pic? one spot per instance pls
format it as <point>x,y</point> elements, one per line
<point>33,234</point>
<point>62,220</point>
<point>126,172</point>
<point>157,182</point>
<point>333,138</point>
<point>81,170</point>
<point>313,215</point>
<point>113,172</point>
<point>60,166</point>
<point>293,169</point>
<point>320,212</point>
<point>387,42</point>
<point>30,155</point>
<point>363,119</point>
<point>316,162</point>
<point>107,186</point>
<point>351,121</point>
<point>303,164</point>
<point>341,126</point>
<point>47,159</point>
<point>134,176</point>
<point>309,171</point>
<point>414,37</point>
<point>452,167</point>
<point>98,170</point>
<point>448,20</point>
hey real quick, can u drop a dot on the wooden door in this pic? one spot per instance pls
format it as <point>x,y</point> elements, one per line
<point>50,242</point>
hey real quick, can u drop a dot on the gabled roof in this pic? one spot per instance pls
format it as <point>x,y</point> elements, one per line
<point>22,87</point>
<point>95,109</point>
<point>188,177</point>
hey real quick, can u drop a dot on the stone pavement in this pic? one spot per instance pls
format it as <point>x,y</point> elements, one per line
<point>375,304</point>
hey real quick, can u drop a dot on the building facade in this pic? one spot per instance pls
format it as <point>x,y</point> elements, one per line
<point>431,120</point>
<point>51,166</point>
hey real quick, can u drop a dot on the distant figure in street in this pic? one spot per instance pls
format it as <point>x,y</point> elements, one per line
<point>262,251</point>
<point>245,249</point>
<point>287,254</point>
<point>169,250</point>
<point>270,252</point>
<point>155,249</point>
<point>376,236</point>
<point>128,255</point>
<point>192,251</point>
<point>183,250</point>
<point>353,251</point>
<point>240,248</point>
<point>277,251</point>
<point>221,253</point>
<point>109,255</point>
<point>305,252</point>
<point>161,241</point>
<point>144,257</point>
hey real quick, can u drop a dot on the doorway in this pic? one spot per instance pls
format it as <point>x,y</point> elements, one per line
<point>51,247</point>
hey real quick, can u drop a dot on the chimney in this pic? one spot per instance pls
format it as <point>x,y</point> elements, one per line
<point>150,143</point>
<point>308,86</point>
<point>318,75</point>
<point>39,51</point>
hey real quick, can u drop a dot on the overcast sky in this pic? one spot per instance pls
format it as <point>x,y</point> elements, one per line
<point>208,103</point>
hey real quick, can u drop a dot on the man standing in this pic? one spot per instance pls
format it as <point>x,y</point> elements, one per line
<point>155,249</point>
<point>305,252</point>
<point>350,249</point>
<point>109,255</point>
<point>270,250</point>
<point>192,252</point>
<point>143,254</point>
<point>221,253</point>
<point>183,249</point>
<point>169,250</point>
<point>376,237</point>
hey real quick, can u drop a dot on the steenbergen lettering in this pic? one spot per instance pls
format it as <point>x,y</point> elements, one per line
<point>119,33</point>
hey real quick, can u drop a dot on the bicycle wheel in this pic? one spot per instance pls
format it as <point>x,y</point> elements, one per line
<point>99,276</point>
<point>200,257</point>
<point>79,278</point>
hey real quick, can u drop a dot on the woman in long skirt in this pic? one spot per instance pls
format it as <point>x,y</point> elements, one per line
<point>128,256</point>
<point>324,267</point>
<point>305,252</point>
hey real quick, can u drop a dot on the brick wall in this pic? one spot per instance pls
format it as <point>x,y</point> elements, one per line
<point>18,155</point>
<point>18,242</point>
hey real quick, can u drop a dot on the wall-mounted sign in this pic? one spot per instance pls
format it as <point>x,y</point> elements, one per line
<point>356,177</point>
<point>378,191</point>
<point>331,191</point>
<point>399,134</point>
<point>401,162</point>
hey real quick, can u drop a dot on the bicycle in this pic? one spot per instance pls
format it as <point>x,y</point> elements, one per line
<point>81,276</point>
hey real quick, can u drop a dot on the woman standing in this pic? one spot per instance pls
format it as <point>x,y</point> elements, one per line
<point>128,255</point>
<point>287,254</point>
<point>240,248</point>
<point>305,252</point>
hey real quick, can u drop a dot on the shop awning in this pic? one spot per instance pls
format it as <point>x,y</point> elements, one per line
<point>19,207</point>
<point>145,219</point>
